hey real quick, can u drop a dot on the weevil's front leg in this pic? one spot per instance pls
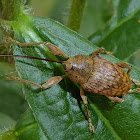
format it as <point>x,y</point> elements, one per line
<point>52,48</point>
<point>84,98</point>
<point>102,49</point>
<point>116,99</point>
<point>56,50</point>
<point>13,78</point>
<point>124,65</point>
<point>53,81</point>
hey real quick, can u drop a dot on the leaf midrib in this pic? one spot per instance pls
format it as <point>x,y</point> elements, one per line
<point>104,120</point>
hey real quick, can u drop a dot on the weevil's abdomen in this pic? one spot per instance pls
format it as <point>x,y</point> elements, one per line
<point>107,79</point>
<point>78,68</point>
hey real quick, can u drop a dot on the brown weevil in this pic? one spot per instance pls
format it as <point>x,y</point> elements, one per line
<point>94,73</point>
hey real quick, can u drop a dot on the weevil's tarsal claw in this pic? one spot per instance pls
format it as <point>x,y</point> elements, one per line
<point>136,82</point>
<point>116,99</point>
<point>91,127</point>
<point>84,98</point>
<point>53,81</point>
<point>102,49</point>
<point>8,40</point>
<point>137,90</point>
<point>108,52</point>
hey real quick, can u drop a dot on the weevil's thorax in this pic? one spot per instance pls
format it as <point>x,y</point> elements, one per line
<point>78,68</point>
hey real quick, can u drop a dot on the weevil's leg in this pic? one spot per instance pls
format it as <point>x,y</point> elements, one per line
<point>53,81</point>
<point>13,78</point>
<point>84,98</point>
<point>136,82</point>
<point>116,99</point>
<point>56,50</point>
<point>124,65</point>
<point>52,48</point>
<point>9,40</point>
<point>137,90</point>
<point>102,49</point>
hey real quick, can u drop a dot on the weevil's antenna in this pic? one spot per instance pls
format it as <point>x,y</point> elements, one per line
<point>32,58</point>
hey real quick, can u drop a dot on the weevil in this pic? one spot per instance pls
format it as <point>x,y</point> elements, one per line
<point>93,73</point>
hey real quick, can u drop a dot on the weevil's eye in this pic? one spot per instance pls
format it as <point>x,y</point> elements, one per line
<point>64,66</point>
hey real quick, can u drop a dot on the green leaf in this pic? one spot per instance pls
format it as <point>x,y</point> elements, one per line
<point>12,101</point>
<point>122,32</point>
<point>27,128</point>
<point>6,124</point>
<point>59,110</point>
<point>96,15</point>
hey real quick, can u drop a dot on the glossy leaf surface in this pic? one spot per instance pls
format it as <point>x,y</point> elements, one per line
<point>59,110</point>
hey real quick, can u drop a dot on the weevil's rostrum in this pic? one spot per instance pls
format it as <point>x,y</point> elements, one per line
<point>94,73</point>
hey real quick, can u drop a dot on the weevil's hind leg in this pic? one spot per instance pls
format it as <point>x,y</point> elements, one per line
<point>54,49</point>
<point>136,82</point>
<point>124,65</point>
<point>116,99</point>
<point>102,49</point>
<point>84,98</point>
<point>53,81</point>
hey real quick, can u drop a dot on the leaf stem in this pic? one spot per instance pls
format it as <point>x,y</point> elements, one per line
<point>76,14</point>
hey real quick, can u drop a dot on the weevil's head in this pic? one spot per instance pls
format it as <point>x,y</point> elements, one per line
<point>78,67</point>
<point>67,65</point>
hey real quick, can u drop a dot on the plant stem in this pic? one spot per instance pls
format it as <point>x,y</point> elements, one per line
<point>10,9</point>
<point>76,14</point>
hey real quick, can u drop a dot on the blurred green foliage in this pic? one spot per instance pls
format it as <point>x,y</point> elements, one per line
<point>96,14</point>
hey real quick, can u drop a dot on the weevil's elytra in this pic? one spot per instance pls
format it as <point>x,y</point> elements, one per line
<point>107,79</point>
<point>95,74</point>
